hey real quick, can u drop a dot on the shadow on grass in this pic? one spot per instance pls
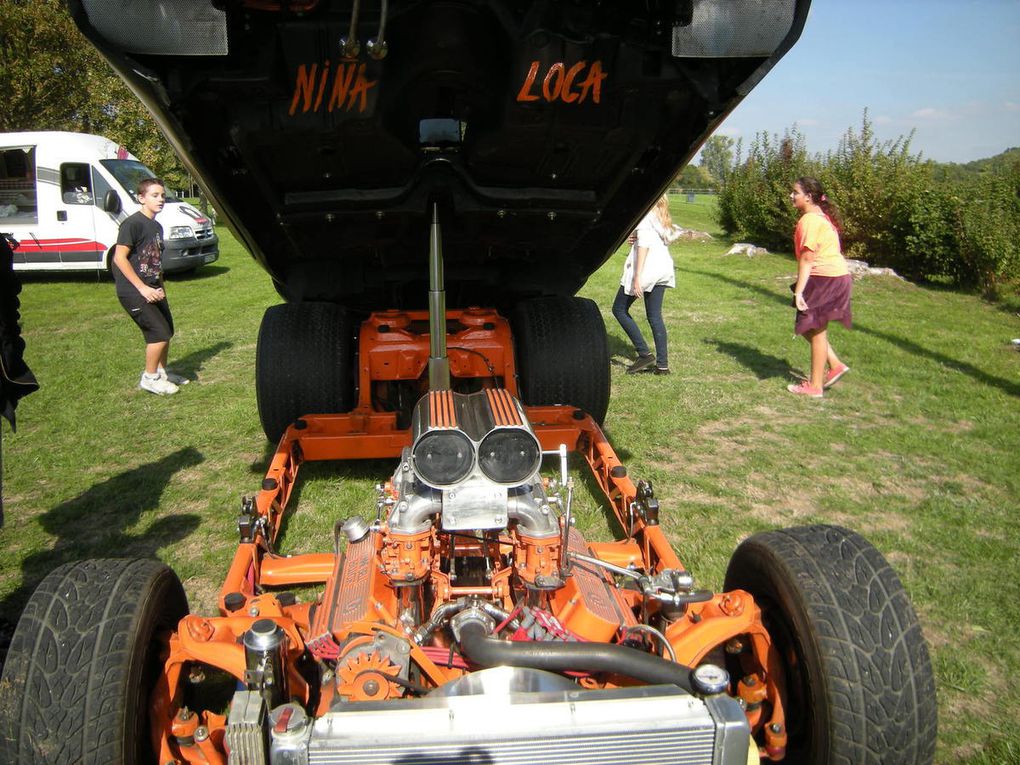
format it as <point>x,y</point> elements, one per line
<point>764,365</point>
<point>593,487</point>
<point>199,274</point>
<point>359,471</point>
<point>65,277</point>
<point>95,524</point>
<point>909,346</point>
<point>620,347</point>
<point>782,299</point>
<point>190,364</point>
<point>1006,386</point>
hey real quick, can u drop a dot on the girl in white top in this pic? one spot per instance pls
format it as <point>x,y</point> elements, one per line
<point>647,273</point>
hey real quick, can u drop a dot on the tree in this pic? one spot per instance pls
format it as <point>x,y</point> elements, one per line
<point>717,157</point>
<point>695,177</point>
<point>51,78</point>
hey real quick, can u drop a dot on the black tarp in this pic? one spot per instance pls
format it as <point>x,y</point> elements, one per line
<point>16,379</point>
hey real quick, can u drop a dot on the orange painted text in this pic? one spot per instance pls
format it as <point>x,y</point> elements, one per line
<point>561,83</point>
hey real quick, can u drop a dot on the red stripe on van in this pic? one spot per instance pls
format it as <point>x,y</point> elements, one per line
<point>28,244</point>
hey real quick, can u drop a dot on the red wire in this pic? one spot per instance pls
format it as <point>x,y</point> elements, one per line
<point>441,656</point>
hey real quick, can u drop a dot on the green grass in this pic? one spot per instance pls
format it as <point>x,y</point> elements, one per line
<point>917,448</point>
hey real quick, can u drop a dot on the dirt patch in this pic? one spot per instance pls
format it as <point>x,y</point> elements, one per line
<point>203,595</point>
<point>678,495</point>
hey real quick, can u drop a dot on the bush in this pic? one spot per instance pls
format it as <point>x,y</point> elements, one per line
<point>875,185</point>
<point>897,210</point>
<point>932,240</point>
<point>754,205</point>
<point>990,231</point>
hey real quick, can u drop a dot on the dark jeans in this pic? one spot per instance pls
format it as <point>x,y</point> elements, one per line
<point>653,310</point>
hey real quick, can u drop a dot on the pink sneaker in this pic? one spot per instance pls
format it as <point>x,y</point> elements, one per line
<point>833,375</point>
<point>804,389</point>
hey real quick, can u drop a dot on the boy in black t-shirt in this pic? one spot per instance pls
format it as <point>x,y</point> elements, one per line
<point>138,275</point>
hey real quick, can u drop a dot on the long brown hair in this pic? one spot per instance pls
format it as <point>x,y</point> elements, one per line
<point>813,189</point>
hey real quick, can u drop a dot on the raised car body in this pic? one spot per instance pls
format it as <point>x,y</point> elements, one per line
<point>324,129</point>
<point>460,617</point>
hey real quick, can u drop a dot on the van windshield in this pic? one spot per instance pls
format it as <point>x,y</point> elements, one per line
<point>129,173</point>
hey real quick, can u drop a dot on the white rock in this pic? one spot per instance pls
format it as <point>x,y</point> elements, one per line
<point>859,268</point>
<point>750,250</point>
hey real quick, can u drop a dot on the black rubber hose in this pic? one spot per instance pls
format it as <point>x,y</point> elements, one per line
<point>572,657</point>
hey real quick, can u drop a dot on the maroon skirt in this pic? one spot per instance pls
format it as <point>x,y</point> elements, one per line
<point>828,299</point>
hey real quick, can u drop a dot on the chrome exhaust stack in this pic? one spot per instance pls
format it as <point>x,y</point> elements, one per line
<point>439,364</point>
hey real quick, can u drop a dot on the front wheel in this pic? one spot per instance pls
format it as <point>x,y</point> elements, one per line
<point>859,683</point>
<point>83,662</point>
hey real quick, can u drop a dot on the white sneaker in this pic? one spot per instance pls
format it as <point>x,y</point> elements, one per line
<point>157,385</point>
<point>172,377</point>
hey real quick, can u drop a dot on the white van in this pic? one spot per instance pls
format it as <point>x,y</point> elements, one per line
<point>63,196</point>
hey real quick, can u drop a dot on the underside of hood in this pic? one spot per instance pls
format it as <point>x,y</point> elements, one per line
<point>324,130</point>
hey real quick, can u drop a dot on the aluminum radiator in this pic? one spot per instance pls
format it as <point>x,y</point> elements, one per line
<point>650,725</point>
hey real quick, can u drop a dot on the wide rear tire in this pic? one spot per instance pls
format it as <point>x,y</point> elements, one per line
<point>83,662</point>
<point>562,354</point>
<point>860,689</point>
<point>304,364</point>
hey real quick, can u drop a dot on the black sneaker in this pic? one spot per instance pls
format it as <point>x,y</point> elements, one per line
<point>642,364</point>
<point>662,371</point>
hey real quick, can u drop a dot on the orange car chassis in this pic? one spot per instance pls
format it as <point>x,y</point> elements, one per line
<point>480,350</point>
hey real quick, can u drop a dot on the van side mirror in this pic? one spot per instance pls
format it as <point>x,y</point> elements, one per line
<point>111,202</point>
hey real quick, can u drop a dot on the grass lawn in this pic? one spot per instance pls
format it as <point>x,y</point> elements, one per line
<point>918,448</point>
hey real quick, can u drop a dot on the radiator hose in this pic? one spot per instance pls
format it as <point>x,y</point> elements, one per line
<point>567,657</point>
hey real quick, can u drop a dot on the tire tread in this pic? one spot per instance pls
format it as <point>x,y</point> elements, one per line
<point>563,354</point>
<point>303,364</point>
<point>73,660</point>
<point>880,688</point>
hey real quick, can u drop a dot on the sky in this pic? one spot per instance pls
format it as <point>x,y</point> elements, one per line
<point>947,69</point>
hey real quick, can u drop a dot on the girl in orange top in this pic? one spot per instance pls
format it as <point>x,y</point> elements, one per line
<point>822,291</point>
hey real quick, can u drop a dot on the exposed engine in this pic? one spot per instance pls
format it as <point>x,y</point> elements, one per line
<point>468,532</point>
<point>473,564</point>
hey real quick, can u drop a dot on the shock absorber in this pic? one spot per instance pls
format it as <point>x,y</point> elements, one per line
<point>265,644</point>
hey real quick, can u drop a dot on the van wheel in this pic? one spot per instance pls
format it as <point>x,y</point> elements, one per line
<point>84,660</point>
<point>562,353</point>
<point>859,682</point>
<point>304,364</point>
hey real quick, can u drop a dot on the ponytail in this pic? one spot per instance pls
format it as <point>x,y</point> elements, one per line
<point>814,190</point>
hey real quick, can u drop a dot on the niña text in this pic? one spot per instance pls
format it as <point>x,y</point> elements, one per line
<point>350,87</point>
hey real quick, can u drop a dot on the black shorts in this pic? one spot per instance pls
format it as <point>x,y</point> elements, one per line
<point>154,319</point>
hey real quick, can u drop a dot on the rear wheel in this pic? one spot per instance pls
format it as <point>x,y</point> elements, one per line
<point>562,353</point>
<point>859,682</point>
<point>304,364</point>
<point>83,662</point>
